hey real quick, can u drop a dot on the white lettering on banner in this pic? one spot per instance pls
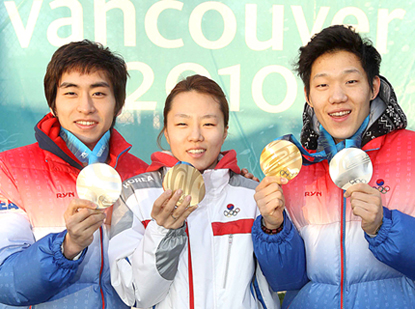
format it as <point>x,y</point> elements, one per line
<point>234,73</point>
<point>131,102</point>
<point>362,21</point>
<point>151,19</point>
<point>277,26</point>
<point>23,34</point>
<point>101,8</point>
<point>177,71</point>
<point>384,18</point>
<point>195,25</point>
<point>301,23</point>
<point>76,21</point>
<point>257,92</point>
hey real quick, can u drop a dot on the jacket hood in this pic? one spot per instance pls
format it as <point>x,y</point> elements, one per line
<point>227,160</point>
<point>385,116</point>
<point>47,135</point>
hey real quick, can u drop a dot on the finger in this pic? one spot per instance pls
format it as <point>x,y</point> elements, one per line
<point>360,187</point>
<point>161,201</point>
<point>244,171</point>
<point>268,190</point>
<point>171,204</point>
<point>80,222</point>
<point>269,180</point>
<point>178,212</point>
<point>77,203</point>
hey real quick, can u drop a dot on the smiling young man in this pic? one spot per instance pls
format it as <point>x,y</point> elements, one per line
<point>353,248</point>
<point>53,246</point>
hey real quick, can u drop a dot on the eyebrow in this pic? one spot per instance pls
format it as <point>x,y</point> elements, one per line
<point>95,85</point>
<point>348,71</point>
<point>203,117</point>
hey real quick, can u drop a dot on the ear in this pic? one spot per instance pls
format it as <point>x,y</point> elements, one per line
<point>51,110</point>
<point>166,135</point>
<point>307,99</point>
<point>375,88</point>
<point>225,134</point>
<point>119,112</point>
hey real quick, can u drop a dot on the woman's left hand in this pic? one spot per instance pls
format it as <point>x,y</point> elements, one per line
<point>167,214</point>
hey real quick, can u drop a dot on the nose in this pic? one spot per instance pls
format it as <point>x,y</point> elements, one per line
<point>195,134</point>
<point>85,104</point>
<point>337,94</point>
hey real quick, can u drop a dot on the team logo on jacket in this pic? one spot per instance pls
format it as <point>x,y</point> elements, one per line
<point>231,210</point>
<point>382,188</point>
<point>7,205</point>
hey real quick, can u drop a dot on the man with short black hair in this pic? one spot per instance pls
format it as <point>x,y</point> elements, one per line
<point>53,246</point>
<point>352,248</point>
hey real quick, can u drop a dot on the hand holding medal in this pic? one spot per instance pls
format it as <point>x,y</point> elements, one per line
<point>184,189</point>
<point>280,161</point>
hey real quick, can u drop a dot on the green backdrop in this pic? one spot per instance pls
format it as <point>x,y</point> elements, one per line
<point>248,47</point>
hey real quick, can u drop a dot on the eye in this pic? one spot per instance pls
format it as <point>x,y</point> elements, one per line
<point>352,81</point>
<point>209,124</point>
<point>181,124</point>
<point>99,94</point>
<point>321,85</point>
<point>69,93</point>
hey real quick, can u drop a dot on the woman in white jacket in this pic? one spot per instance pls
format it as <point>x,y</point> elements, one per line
<point>189,257</point>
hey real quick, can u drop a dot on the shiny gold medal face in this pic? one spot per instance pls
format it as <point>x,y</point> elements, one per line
<point>281,158</point>
<point>100,184</point>
<point>187,178</point>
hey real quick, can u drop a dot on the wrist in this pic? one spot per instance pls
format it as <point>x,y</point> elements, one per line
<point>69,251</point>
<point>273,229</point>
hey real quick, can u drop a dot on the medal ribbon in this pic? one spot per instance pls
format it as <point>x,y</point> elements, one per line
<point>82,152</point>
<point>328,144</point>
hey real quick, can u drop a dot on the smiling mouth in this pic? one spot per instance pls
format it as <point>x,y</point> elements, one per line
<point>340,114</point>
<point>196,151</point>
<point>86,123</point>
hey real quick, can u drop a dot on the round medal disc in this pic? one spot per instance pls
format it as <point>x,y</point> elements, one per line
<point>350,166</point>
<point>281,158</point>
<point>187,178</point>
<point>99,183</point>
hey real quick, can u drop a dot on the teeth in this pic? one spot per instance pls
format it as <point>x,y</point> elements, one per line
<point>86,123</point>
<point>338,114</point>
<point>196,151</point>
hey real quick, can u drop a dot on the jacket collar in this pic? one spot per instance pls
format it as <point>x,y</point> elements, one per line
<point>47,135</point>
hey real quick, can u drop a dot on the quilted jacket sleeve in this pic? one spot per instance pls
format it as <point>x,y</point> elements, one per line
<point>30,271</point>
<point>143,261</point>
<point>281,256</point>
<point>394,245</point>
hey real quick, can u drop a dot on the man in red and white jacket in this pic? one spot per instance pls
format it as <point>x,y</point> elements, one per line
<point>53,249</point>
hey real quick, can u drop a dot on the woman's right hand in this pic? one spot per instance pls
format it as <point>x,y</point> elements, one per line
<point>167,214</point>
<point>270,200</point>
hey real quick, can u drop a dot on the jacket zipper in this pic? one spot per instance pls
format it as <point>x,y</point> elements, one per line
<point>102,267</point>
<point>342,251</point>
<point>230,241</point>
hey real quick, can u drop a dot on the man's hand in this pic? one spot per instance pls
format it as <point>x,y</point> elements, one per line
<point>270,200</point>
<point>167,214</point>
<point>366,203</point>
<point>82,220</point>
<point>247,174</point>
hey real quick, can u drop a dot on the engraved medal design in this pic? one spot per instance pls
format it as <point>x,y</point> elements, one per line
<point>189,179</point>
<point>281,158</point>
<point>350,166</point>
<point>99,183</point>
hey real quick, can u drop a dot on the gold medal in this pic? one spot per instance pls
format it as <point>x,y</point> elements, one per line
<point>350,166</point>
<point>100,184</point>
<point>188,179</point>
<point>281,158</point>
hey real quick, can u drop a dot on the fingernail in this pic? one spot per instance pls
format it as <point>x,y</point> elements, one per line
<point>188,198</point>
<point>179,192</point>
<point>168,192</point>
